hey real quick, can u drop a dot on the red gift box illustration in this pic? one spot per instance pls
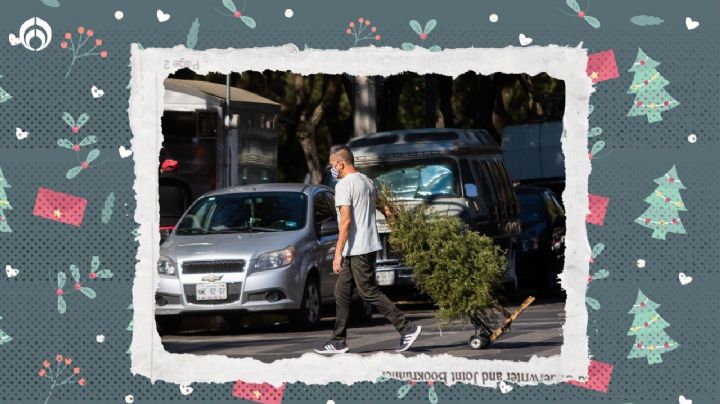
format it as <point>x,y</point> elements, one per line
<point>60,207</point>
<point>259,393</point>
<point>599,375</point>
<point>598,206</point>
<point>601,66</point>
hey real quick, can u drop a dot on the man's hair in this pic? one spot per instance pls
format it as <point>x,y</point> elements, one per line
<point>343,153</point>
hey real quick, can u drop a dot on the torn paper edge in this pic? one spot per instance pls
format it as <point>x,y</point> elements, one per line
<point>151,66</point>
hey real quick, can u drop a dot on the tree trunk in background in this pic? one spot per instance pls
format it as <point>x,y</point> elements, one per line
<point>430,96</point>
<point>445,89</point>
<point>485,106</point>
<point>364,117</point>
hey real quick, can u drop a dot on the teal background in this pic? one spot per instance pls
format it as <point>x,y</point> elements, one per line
<point>636,153</point>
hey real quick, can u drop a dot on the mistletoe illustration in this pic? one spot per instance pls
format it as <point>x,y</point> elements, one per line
<point>234,12</point>
<point>601,274</point>
<point>594,22</point>
<point>56,373</point>
<point>75,126</point>
<point>131,325</point>
<point>423,33</point>
<point>4,338</point>
<point>4,95</point>
<point>405,388</point>
<point>83,36</point>
<point>95,273</point>
<point>598,146</point>
<point>359,33</point>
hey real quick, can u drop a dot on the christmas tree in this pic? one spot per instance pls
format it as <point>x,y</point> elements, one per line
<point>651,341</point>
<point>4,96</point>
<point>665,202</point>
<point>649,86</point>
<point>4,205</point>
<point>4,338</point>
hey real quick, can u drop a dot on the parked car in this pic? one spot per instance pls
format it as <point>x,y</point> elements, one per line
<point>543,235</point>
<point>456,172</point>
<point>251,249</point>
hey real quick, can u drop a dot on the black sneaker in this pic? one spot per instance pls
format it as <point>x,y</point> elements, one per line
<point>408,337</point>
<point>332,348</point>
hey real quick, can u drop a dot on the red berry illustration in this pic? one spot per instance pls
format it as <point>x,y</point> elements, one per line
<point>46,363</point>
<point>352,24</point>
<point>642,304</point>
<point>647,221</point>
<point>581,14</point>
<point>75,129</point>
<point>81,30</point>
<point>77,286</point>
<point>237,14</point>
<point>76,370</point>
<point>98,42</point>
<point>76,147</point>
<point>58,358</point>
<point>84,165</point>
<point>373,29</point>
<point>377,37</point>
<point>103,54</point>
<point>82,382</point>
<point>639,103</point>
<point>348,31</point>
<point>589,278</point>
<point>639,346</point>
<point>90,32</point>
<point>423,36</point>
<point>430,382</point>
<point>667,199</point>
<point>41,373</point>
<point>645,324</point>
<point>68,35</point>
<point>63,44</point>
<point>93,275</point>
<point>59,292</point>
<point>68,361</point>
<point>642,63</point>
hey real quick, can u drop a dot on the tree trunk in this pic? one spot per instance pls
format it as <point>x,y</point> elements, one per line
<point>445,90</point>
<point>430,106</point>
<point>364,117</point>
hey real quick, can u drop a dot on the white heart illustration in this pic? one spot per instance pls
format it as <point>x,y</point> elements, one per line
<point>185,389</point>
<point>20,134</point>
<point>525,40</point>
<point>14,41</point>
<point>162,16</point>
<point>124,152</point>
<point>96,92</point>
<point>100,338</point>
<point>683,400</point>
<point>10,271</point>
<point>690,24</point>
<point>505,388</point>
<point>684,279</point>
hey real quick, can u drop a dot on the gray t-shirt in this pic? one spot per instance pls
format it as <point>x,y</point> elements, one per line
<point>357,191</point>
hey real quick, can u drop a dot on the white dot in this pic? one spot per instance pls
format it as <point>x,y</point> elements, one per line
<point>692,138</point>
<point>129,399</point>
<point>493,17</point>
<point>641,263</point>
<point>119,15</point>
<point>289,13</point>
<point>100,338</point>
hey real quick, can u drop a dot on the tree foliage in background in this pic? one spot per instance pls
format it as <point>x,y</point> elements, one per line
<point>461,270</point>
<point>317,110</point>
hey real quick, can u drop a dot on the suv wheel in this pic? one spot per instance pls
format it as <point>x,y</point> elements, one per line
<point>309,314</point>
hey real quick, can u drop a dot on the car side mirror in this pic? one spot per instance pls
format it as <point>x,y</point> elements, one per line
<point>471,191</point>
<point>329,228</point>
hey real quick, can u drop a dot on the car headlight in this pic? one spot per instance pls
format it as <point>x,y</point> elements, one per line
<point>275,259</point>
<point>166,266</point>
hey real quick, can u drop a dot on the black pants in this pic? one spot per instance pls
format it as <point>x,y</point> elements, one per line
<point>359,271</point>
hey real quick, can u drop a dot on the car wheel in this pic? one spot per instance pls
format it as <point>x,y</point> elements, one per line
<point>309,314</point>
<point>168,325</point>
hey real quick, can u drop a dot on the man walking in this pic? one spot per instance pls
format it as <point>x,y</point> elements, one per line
<point>355,254</point>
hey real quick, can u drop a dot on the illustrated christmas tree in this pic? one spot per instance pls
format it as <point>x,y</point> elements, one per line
<point>4,95</point>
<point>651,99</point>
<point>651,341</point>
<point>665,203</point>
<point>4,338</point>
<point>4,204</point>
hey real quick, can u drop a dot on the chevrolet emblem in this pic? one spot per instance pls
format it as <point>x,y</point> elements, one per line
<point>212,278</point>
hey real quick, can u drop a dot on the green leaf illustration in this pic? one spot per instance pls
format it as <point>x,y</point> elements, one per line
<point>416,27</point>
<point>192,36</point>
<point>92,139</point>
<point>407,46</point>
<point>95,263</point>
<point>94,153</point>
<point>429,26</point>
<point>73,172</point>
<point>402,391</point>
<point>574,5</point>
<point>597,147</point>
<point>591,108</point>
<point>594,22</point>
<point>82,119</point>
<point>51,3</point>
<point>248,21</point>
<point>61,280</point>
<point>87,292</point>
<point>382,379</point>
<point>4,338</point>
<point>594,132</point>
<point>601,274</point>
<point>598,249</point>
<point>105,274</point>
<point>645,20</point>
<point>68,119</point>
<point>434,48</point>
<point>594,304</point>
<point>61,306</point>
<point>107,210</point>
<point>75,273</point>
<point>65,143</point>
<point>230,5</point>
<point>432,395</point>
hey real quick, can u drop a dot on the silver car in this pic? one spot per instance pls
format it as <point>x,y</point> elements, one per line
<point>253,248</point>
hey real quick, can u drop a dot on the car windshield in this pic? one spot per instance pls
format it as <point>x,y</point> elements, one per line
<point>416,179</point>
<point>531,208</point>
<point>246,212</point>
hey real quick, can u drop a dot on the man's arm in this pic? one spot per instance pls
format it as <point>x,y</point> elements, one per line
<point>344,227</point>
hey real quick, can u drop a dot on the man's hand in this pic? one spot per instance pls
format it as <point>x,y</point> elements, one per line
<point>337,263</point>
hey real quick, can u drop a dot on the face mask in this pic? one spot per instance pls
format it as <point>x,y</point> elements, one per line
<point>334,172</point>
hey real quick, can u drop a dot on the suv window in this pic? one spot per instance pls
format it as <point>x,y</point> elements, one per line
<point>322,210</point>
<point>499,190</point>
<point>511,204</point>
<point>487,189</point>
<point>468,180</point>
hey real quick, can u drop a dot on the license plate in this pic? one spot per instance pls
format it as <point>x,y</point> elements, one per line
<point>385,278</point>
<point>211,291</point>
